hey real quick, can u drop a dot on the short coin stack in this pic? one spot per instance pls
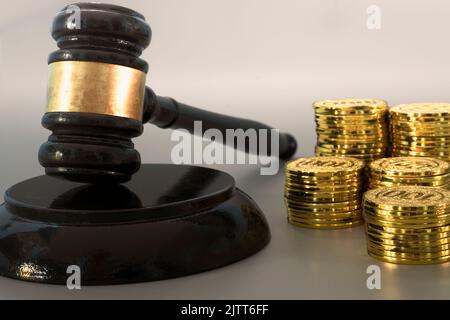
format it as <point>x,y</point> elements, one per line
<point>418,171</point>
<point>408,224</point>
<point>351,127</point>
<point>421,129</point>
<point>324,192</point>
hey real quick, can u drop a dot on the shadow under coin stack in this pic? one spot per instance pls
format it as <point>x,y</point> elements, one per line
<point>324,192</point>
<point>351,127</point>
<point>402,171</point>
<point>421,129</point>
<point>408,224</point>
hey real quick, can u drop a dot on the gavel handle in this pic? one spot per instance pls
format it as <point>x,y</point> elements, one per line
<point>168,113</point>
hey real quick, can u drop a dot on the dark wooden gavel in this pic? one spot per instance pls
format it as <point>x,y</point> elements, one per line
<point>98,102</point>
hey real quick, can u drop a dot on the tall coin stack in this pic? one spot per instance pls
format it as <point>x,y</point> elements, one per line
<point>324,192</point>
<point>351,127</point>
<point>418,171</point>
<point>421,129</point>
<point>408,224</point>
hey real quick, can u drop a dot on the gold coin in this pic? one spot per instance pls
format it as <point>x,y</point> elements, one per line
<point>325,165</point>
<point>427,109</point>
<point>415,123</point>
<point>435,140</point>
<point>409,176</point>
<point>322,198</point>
<point>420,120</point>
<point>420,250</point>
<point>366,158</point>
<point>412,213</point>
<point>350,152</point>
<point>354,145</point>
<point>409,242</point>
<point>432,241</point>
<point>431,149</point>
<point>325,226</point>
<point>440,154</point>
<point>399,260</point>
<point>408,197</point>
<point>331,127</point>
<point>419,236</point>
<point>414,225</point>
<point>410,166</point>
<point>350,106</point>
<point>349,121</point>
<point>326,189</point>
<point>327,206</point>
<point>426,182</point>
<point>406,214</point>
<point>418,222</point>
<point>322,177</point>
<point>443,155</point>
<point>424,150</point>
<point>325,215</point>
<point>420,133</point>
<point>371,132</point>
<point>421,233</point>
<point>324,218</point>
<point>423,145</point>
<point>405,253</point>
<point>349,148</point>
<point>307,193</point>
<point>351,140</point>
<point>378,184</point>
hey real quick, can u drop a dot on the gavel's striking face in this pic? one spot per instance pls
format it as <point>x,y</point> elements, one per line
<point>95,93</point>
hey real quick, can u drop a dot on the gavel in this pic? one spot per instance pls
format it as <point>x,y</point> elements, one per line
<point>97,100</point>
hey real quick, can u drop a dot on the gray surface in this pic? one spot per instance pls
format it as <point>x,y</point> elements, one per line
<point>262,59</point>
<point>297,264</point>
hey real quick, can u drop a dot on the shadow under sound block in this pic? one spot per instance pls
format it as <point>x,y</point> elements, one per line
<point>168,221</point>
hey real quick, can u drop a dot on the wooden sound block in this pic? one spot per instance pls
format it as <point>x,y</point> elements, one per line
<point>168,221</point>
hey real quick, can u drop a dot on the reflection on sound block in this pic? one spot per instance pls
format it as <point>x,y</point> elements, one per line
<point>168,221</point>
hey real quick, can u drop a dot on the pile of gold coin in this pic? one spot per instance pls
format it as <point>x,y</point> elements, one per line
<point>351,127</point>
<point>408,224</point>
<point>421,129</point>
<point>324,192</point>
<point>402,171</point>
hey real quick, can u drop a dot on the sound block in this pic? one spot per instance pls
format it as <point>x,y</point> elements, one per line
<point>168,221</point>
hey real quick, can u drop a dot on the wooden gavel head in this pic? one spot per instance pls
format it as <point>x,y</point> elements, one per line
<point>97,100</point>
<point>96,89</point>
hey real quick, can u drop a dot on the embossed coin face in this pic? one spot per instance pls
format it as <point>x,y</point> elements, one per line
<point>429,109</point>
<point>407,197</point>
<point>410,166</point>
<point>350,106</point>
<point>325,165</point>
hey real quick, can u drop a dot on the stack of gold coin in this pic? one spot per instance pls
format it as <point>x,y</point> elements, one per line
<point>421,129</point>
<point>352,127</point>
<point>408,224</point>
<point>402,171</point>
<point>324,192</point>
